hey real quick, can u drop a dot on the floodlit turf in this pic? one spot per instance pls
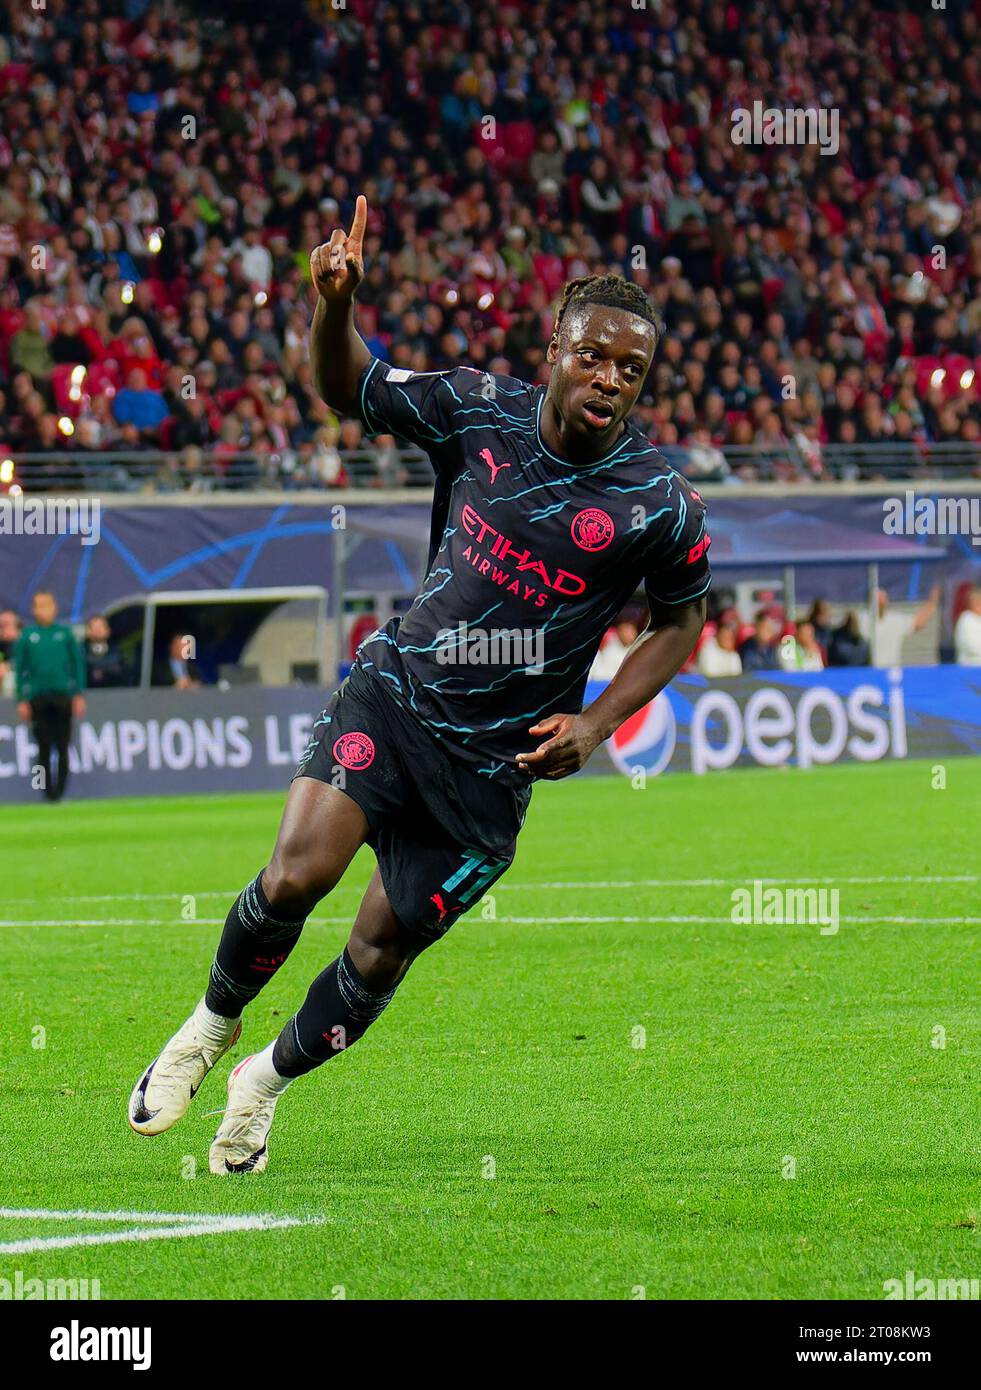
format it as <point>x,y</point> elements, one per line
<point>499,1134</point>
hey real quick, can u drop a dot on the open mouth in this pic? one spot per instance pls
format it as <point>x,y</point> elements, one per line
<point>599,414</point>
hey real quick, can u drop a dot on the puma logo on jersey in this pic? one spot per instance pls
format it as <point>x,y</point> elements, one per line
<point>444,908</point>
<point>495,468</point>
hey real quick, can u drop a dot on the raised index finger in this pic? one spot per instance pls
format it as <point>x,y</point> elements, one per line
<point>359,224</point>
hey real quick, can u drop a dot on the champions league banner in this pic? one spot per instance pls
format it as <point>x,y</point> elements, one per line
<point>158,743</point>
<point>170,742</point>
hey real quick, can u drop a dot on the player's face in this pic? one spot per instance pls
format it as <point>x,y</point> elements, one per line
<point>600,359</point>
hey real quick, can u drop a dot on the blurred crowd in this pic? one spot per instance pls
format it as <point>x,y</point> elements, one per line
<point>99,655</point>
<point>730,646</point>
<point>107,664</point>
<point>165,174</point>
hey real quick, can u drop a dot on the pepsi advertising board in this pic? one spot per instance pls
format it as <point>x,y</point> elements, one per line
<point>801,719</point>
<point>251,738</point>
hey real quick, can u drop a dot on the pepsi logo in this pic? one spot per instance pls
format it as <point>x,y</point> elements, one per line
<point>354,751</point>
<point>592,529</point>
<point>646,740</point>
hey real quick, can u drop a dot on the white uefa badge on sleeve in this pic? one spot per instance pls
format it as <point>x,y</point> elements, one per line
<point>403,374</point>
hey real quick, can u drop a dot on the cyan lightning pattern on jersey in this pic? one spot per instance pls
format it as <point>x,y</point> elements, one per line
<point>525,542</point>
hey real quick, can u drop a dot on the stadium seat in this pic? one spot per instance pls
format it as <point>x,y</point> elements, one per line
<point>961,595</point>
<point>519,142</point>
<point>61,380</point>
<point>103,377</point>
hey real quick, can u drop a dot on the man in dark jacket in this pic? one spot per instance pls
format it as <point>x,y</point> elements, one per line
<point>103,662</point>
<point>9,633</point>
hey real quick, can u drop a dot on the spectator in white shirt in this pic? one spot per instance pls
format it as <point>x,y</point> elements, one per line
<point>802,652</point>
<point>717,655</point>
<point>326,465</point>
<point>967,632</point>
<point>892,629</point>
<point>256,260</point>
<point>614,647</point>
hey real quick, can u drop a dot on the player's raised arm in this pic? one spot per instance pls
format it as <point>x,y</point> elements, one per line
<point>338,354</point>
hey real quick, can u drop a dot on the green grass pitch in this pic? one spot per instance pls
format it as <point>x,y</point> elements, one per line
<point>791,1129</point>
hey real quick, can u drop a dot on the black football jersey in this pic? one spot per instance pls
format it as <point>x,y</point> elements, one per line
<point>531,558</point>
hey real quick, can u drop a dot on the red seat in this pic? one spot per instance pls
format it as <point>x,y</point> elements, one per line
<point>103,378</point>
<point>519,142</point>
<point>961,595</point>
<point>492,145</point>
<point>925,367</point>
<point>953,365</point>
<point>61,380</point>
<point>176,291</point>
<point>15,75</point>
<point>550,271</point>
<point>772,290</point>
<point>159,290</point>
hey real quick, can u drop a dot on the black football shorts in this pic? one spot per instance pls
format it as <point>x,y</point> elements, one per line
<point>441,833</point>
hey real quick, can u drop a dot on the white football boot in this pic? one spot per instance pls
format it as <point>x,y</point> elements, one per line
<point>167,1087</point>
<point>241,1146</point>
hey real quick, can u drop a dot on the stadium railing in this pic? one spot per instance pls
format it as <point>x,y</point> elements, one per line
<point>199,470</point>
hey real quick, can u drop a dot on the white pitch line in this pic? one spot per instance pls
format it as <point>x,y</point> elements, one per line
<point>132,897</point>
<point>232,893</point>
<point>727,921</point>
<point>725,882</point>
<point>56,1214</point>
<point>123,921</point>
<point>209,1226</point>
<point>669,920</point>
<point>145,921</point>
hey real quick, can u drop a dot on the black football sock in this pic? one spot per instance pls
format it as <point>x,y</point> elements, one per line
<point>339,1007</point>
<point>255,942</point>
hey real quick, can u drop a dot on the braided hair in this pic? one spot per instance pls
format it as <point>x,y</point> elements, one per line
<point>612,291</point>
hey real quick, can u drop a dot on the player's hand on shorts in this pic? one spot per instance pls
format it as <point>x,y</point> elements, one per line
<point>337,267</point>
<point>24,711</point>
<point>78,706</point>
<point>572,739</point>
